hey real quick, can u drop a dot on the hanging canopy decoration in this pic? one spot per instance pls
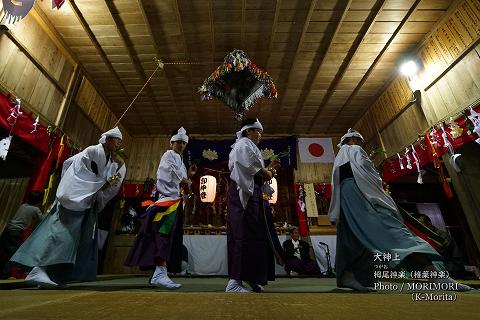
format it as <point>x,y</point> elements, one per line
<point>238,83</point>
<point>16,10</point>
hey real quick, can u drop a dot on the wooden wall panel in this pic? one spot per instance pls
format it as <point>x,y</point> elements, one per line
<point>93,105</point>
<point>367,125</point>
<point>20,76</point>
<point>404,129</point>
<point>145,155</point>
<point>444,91</point>
<point>459,87</point>
<point>313,172</point>
<point>33,37</point>
<point>79,127</point>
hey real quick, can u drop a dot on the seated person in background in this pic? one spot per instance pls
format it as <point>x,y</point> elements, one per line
<point>11,239</point>
<point>297,255</point>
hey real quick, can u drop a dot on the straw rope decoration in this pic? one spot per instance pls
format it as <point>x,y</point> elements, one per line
<point>160,65</point>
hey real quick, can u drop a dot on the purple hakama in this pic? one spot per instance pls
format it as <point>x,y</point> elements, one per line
<point>249,239</point>
<point>151,246</point>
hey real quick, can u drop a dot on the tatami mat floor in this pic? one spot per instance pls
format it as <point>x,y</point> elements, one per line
<point>203,298</point>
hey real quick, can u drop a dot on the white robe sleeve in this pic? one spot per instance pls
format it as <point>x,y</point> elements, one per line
<point>169,174</point>
<point>366,177</point>
<point>79,183</point>
<point>103,196</point>
<point>245,161</point>
<point>369,181</point>
<point>246,166</point>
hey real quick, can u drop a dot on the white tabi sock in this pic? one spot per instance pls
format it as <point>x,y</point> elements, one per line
<point>39,276</point>
<point>160,278</point>
<point>236,286</point>
<point>348,280</point>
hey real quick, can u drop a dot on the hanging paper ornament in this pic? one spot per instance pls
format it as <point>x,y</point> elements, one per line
<point>417,163</point>
<point>15,112</point>
<point>4,146</point>
<point>400,161</point>
<point>35,124</point>
<point>238,83</point>
<point>433,138</point>
<point>451,151</point>
<point>455,130</point>
<point>446,142</point>
<point>409,164</point>
<point>453,162</point>
<point>475,118</point>
<point>16,10</point>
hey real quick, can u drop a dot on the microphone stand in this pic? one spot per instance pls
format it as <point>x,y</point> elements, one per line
<point>329,273</point>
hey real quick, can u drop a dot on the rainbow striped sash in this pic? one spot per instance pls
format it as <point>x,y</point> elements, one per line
<point>164,213</point>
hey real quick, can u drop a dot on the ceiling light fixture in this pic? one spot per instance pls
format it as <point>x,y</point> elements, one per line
<point>409,68</point>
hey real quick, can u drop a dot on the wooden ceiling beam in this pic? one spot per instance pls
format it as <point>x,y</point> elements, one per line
<point>157,50</point>
<point>193,97</point>
<point>306,23</point>
<point>212,41</point>
<point>369,21</point>
<point>102,54</point>
<point>412,9</point>
<point>39,16</point>
<point>278,4</point>
<point>212,30</point>
<point>318,63</point>
<point>122,32</point>
<point>242,32</point>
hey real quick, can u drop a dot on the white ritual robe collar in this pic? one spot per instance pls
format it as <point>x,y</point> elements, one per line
<point>366,177</point>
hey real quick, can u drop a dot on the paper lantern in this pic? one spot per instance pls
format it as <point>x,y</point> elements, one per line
<point>273,184</point>
<point>208,188</point>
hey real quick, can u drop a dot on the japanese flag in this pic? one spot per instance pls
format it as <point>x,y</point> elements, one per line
<point>313,150</point>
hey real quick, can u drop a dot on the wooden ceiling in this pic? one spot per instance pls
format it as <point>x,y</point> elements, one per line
<point>328,58</point>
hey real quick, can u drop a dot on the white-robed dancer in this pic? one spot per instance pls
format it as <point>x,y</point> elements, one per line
<point>251,235</point>
<point>368,222</point>
<point>159,242</point>
<point>64,245</point>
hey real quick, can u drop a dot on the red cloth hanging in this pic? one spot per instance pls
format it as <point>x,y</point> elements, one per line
<point>425,152</point>
<point>57,3</point>
<point>24,126</point>
<point>302,217</point>
<point>134,190</point>
<point>324,189</point>
<point>43,173</point>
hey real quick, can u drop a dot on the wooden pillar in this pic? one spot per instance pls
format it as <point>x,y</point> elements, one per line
<point>467,186</point>
<point>72,89</point>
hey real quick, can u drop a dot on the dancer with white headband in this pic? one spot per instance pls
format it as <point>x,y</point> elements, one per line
<point>64,246</point>
<point>250,248</point>
<point>160,239</point>
<point>369,223</point>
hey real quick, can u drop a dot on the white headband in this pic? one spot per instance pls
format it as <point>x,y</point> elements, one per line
<point>113,133</point>
<point>255,125</point>
<point>350,133</point>
<point>180,136</point>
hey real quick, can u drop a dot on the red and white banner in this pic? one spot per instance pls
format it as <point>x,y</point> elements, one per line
<point>316,150</point>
